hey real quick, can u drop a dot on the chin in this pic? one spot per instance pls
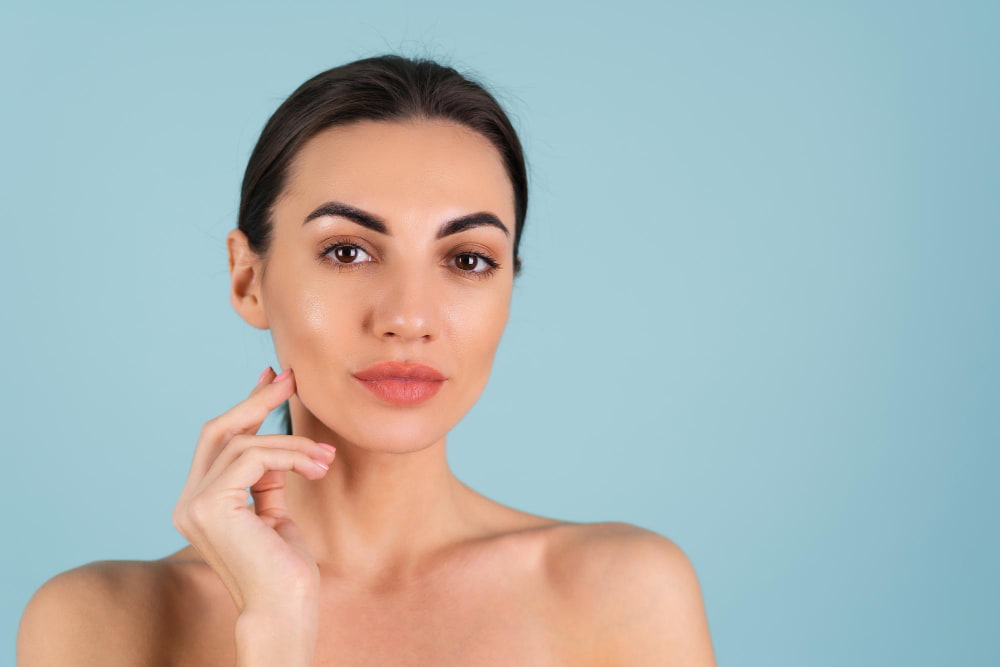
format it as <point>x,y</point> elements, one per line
<point>383,428</point>
<point>397,436</point>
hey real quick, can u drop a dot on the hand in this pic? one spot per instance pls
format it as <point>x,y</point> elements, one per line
<point>259,553</point>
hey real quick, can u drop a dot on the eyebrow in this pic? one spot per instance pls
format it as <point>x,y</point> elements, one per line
<point>377,224</point>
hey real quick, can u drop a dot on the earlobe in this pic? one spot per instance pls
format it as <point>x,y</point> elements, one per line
<point>244,273</point>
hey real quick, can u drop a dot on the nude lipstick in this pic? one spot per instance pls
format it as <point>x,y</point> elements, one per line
<point>399,383</point>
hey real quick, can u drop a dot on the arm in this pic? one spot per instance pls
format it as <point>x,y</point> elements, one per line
<point>634,598</point>
<point>287,639</point>
<point>658,616</point>
<point>75,619</point>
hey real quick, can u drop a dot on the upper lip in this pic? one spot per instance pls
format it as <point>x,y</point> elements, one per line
<point>396,369</point>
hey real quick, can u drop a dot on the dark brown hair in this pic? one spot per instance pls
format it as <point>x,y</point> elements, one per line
<point>388,87</point>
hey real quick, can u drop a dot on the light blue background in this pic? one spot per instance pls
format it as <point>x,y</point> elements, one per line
<point>759,310</point>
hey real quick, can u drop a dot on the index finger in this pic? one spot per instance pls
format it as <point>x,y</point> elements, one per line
<point>246,417</point>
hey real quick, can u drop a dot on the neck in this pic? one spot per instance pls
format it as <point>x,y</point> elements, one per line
<point>378,516</point>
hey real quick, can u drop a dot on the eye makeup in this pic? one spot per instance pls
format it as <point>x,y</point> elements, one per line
<point>486,258</point>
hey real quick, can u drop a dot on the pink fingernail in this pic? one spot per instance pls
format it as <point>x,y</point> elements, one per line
<point>282,375</point>
<point>263,375</point>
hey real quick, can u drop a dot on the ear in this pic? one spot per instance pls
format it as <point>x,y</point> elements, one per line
<point>245,268</point>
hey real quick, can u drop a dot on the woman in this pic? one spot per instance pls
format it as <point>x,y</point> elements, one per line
<point>378,237</point>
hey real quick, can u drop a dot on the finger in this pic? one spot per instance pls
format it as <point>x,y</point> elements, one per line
<point>244,418</point>
<point>269,492</point>
<point>229,490</point>
<point>240,443</point>
<point>268,495</point>
<point>266,376</point>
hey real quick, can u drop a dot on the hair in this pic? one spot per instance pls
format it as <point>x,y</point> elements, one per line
<point>388,87</point>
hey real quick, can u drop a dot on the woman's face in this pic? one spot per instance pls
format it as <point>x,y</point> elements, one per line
<point>404,295</point>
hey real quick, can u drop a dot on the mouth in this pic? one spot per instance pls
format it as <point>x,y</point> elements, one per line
<point>402,391</point>
<point>395,370</point>
<point>401,383</point>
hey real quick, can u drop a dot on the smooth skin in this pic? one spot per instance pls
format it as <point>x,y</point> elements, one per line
<point>399,561</point>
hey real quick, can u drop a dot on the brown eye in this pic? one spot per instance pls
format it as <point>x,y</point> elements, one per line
<point>343,253</point>
<point>469,262</point>
<point>489,265</point>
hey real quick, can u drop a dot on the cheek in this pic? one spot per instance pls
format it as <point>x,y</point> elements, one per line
<point>310,327</point>
<point>477,324</point>
<point>318,329</point>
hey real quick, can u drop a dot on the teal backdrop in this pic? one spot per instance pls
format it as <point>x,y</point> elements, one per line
<point>759,312</point>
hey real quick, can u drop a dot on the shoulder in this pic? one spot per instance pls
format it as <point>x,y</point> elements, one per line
<point>100,613</point>
<point>637,594</point>
<point>614,556</point>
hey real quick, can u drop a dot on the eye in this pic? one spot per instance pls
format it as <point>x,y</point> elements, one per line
<point>490,265</point>
<point>341,256</point>
<point>343,251</point>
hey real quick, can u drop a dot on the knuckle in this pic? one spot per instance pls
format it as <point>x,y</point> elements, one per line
<point>197,511</point>
<point>219,428</point>
<point>210,427</point>
<point>254,451</point>
<point>302,441</point>
<point>176,519</point>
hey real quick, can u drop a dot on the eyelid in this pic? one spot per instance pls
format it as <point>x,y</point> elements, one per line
<point>460,246</point>
<point>484,254</point>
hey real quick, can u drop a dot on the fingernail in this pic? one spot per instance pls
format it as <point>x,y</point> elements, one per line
<point>282,375</point>
<point>330,447</point>
<point>263,375</point>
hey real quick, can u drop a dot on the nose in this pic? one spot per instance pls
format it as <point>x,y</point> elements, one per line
<point>407,312</point>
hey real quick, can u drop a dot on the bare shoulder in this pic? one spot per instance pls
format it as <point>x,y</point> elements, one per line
<point>101,613</point>
<point>636,592</point>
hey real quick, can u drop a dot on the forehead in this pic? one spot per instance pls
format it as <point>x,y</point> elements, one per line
<point>400,170</point>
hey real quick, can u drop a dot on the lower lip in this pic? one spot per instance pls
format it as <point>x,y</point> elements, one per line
<point>402,392</point>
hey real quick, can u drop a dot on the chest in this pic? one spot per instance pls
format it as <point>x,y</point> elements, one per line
<point>479,629</point>
<point>489,618</point>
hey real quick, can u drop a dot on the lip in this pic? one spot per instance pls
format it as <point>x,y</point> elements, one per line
<point>396,370</point>
<point>401,384</point>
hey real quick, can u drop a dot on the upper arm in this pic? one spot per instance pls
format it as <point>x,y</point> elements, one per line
<point>645,599</point>
<point>81,617</point>
<point>662,618</point>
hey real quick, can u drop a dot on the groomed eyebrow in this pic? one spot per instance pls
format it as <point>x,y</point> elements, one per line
<point>377,224</point>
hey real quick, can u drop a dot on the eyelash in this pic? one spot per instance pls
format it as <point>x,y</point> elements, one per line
<point>324,256</point>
